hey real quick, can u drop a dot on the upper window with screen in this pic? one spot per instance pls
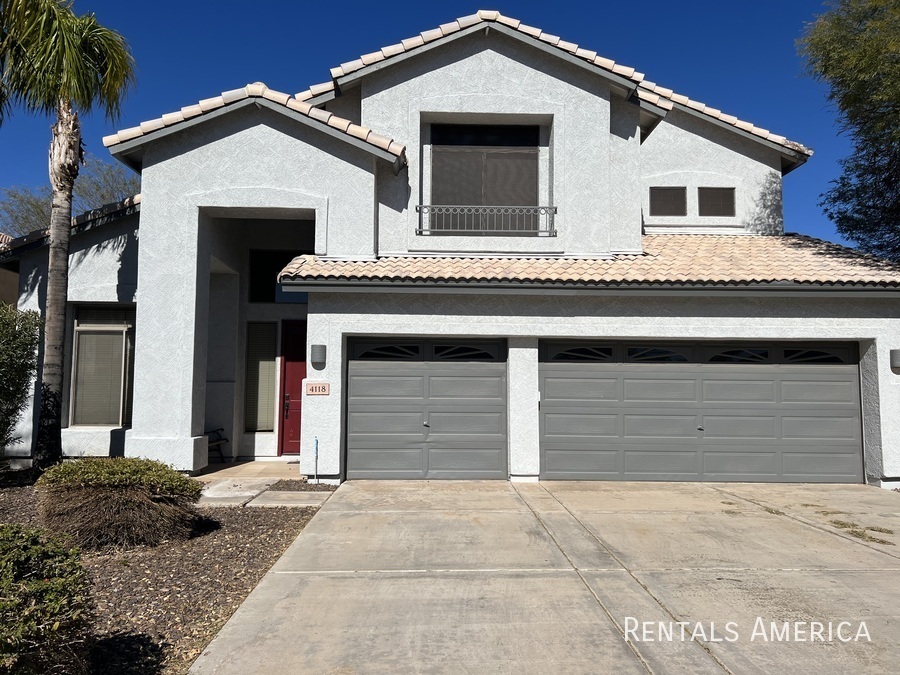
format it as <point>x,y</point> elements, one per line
<point>482,165</point>
<point>485,181</point>
<point>716,201</point>
<point>668,201</point>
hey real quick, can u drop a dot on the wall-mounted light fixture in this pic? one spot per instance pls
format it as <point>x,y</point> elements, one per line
<point>895,359</point>
<point>317,356</point>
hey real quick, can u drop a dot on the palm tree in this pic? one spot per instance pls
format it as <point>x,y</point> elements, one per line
<point>56,63</point>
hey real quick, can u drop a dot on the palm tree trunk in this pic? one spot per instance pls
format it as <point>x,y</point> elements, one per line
<point>65,156</point>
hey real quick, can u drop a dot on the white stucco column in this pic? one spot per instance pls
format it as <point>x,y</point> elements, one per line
<point>524,397</point>
<point>170,337</point>
<point>321,417</point>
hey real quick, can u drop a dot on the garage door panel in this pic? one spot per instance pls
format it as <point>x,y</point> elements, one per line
<point>660,390</point>
<point>763,415</point>
<point>660,426</point>
<point>387,387</point>
<point>823,391</point>
<point>581,425</point>
<point>465,387</point>
<point>575,463</point>
<point>739,464</point>
<point>841,464</point>
<point>390,422</point>
<point>740,426</point>
<point>654,463</point>
<point>581,389</point>
<point>465,458</point>
<point>820,428</point>
<point>466,423</point>
<point>739,391</point>
<point>376,459</point>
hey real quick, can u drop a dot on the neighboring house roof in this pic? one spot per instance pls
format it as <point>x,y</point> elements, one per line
<point>645,90</point>
<point>13,247</point>
<point>668,260</point>
<point>260,91</point>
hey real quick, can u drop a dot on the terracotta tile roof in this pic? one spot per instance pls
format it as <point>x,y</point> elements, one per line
<point>4,240</point>
<point>259,90</point>
<point>646,91</point>
<point>680,259</point>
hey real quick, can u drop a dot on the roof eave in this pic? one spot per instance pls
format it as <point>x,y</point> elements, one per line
<point>767,288</point>
<point>623,83</point>
<point>793,158</point>
<point>131,152</point>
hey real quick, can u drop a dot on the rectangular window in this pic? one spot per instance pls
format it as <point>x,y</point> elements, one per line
<point>103,367</point>
<point>263,278</point>
<point>260,384</point>
<point>668,201</point>
<point>479,166</point>
<point>716,201</point>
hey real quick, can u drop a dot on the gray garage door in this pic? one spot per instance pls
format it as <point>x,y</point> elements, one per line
<point>426,409</point>
<point>741,412</point>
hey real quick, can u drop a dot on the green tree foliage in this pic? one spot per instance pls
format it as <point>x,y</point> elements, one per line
<point>855,50</point>
<point>26,209</point>
<point>19,339</point>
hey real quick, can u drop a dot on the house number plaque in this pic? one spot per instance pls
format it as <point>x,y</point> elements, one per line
<point>318,388</point>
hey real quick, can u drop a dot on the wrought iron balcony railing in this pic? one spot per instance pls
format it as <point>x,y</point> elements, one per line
<point>487,221</point>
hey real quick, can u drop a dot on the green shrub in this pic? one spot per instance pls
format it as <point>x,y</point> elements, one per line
<point>117,502</point>
<point>123,472</point>
<point>19,339</point>
<point>45,606</point>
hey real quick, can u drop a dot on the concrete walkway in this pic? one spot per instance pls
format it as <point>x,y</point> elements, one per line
<point>493,577</point>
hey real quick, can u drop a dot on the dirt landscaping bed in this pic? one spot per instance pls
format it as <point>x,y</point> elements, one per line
<point>294,485</point>
<point>157,608</point>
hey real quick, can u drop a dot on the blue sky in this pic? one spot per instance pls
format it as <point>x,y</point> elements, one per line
<point>739,57</point>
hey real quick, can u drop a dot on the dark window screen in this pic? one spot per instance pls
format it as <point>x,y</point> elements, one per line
<point>668,201</point>
<point>716,201</point>
<point>481,165</point>
<point>264,269</point>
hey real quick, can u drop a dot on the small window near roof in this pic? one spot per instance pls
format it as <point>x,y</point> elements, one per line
<point>668,201</point>
<point>716,201</point>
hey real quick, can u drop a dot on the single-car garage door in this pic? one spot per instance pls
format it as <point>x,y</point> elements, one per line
<point>426,409</point>
<point>781,412</point>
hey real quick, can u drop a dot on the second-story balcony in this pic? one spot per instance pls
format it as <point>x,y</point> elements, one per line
<point>486,221</point>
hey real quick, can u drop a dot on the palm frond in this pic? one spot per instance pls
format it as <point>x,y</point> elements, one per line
<point>48,54</point>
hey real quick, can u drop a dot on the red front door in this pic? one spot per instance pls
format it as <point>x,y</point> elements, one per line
<point>293,370</point>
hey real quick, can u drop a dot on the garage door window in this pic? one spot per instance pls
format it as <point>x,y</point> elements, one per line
<point>748,355</point>
<point>659,354</point>
<point>430,350</point>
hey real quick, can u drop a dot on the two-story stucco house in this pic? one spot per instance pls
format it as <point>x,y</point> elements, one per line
<point>484,252</point>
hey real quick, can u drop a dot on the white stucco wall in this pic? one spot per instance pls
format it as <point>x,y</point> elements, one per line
<point>494,79</point>
<point>686,151</point>
<point>249,163</point>
<point>102,269</point>
<point>335,317</point>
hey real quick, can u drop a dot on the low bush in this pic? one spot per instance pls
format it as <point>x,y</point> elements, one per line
<point>45,606</point>
<point>102,502</point>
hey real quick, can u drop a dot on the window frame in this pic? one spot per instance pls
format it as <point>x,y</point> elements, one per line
<point>276,326</point>
<point>667,189</point>
<point>127,373</point>
<point>716,189</point>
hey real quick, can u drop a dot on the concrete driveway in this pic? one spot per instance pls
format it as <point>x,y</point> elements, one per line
<point>494,577</point>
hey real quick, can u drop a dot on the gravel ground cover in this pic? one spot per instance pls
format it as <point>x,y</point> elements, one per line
<point>293,485</point>
<point>157,608</point>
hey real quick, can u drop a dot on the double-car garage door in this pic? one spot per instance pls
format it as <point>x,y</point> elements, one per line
<point>770,412</point>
